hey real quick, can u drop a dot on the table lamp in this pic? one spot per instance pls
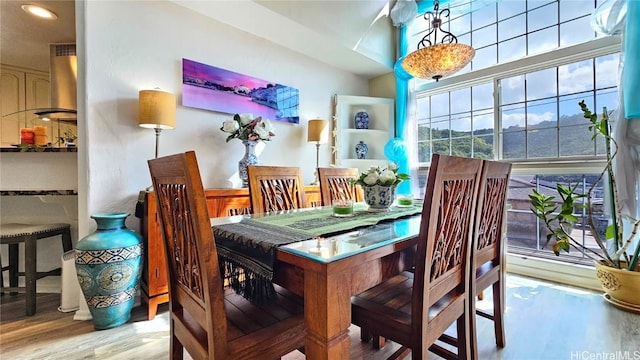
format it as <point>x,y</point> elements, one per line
<point>157,110</point>
<point>319,134</point>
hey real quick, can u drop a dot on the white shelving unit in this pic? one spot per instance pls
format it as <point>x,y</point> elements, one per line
<point>346,136</point>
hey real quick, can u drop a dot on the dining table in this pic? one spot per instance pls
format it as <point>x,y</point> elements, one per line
<point>323,258</point>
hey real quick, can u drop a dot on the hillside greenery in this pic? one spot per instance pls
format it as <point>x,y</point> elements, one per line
<point>537,141</point>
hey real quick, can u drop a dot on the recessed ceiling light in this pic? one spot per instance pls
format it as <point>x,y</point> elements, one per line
<point>39,12</point>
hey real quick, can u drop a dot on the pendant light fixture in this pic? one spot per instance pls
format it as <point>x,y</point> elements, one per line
<point>435,59</point>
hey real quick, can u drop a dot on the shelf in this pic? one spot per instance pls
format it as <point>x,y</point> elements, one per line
<point>366,132</point>
<point>32,149</point>
<point>346,136</point>
<point>37,192</point>
<point>364,164</point>
<point>365,161</point>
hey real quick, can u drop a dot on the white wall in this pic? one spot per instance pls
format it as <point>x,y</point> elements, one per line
<point>39,171</point>
<point>130,46</point>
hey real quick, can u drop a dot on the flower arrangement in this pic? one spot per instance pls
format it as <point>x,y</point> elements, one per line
<point>247,128</point>
<point>381,176</point>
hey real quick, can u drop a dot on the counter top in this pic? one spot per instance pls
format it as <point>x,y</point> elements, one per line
<point>31,148</point>
<point>37,192</point>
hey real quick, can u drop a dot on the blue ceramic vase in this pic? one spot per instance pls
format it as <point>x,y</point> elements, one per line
<point>361,120</point>
<point>250,158</point>
<point>361,150</point>
<point>109,265</point>
<point>379,197</point>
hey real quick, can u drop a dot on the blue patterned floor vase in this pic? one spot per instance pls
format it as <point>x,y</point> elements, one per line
<point>109,265</point>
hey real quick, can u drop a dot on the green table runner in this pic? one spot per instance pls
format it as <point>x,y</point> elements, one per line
<point>247,249</point>
<point>320,222</point>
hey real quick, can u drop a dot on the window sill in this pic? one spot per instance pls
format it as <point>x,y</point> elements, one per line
<point>556,271</point>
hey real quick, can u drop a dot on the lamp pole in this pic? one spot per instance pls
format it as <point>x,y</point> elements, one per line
<point>316,180</point>
<point>158,130</point>
<point>317,133</point>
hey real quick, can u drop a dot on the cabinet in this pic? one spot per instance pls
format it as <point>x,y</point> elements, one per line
<point>21,89</point>
<point>346,136</point>
<point>154,283</point>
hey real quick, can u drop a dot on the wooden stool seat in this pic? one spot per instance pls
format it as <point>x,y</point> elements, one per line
<point>13,234</point>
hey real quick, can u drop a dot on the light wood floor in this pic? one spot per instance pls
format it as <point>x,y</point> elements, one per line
<point>543,321</point>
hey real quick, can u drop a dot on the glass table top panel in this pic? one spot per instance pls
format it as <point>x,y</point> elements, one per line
<point>333,248</point>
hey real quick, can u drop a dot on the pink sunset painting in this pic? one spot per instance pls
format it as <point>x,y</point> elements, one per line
<point>211,88</point>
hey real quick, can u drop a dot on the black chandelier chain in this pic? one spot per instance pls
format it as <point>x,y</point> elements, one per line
<point>435,19</point>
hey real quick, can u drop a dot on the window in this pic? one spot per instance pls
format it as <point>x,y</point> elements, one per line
<point>509,30</point>
<point>541,107</point>
<point>523,106</point>
<point>458,122</point>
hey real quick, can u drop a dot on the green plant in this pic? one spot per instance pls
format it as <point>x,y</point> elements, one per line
<point>558,219</point>
<point>67,136</point>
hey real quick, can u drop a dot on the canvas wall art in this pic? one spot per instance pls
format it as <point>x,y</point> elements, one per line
<point>212,88</point>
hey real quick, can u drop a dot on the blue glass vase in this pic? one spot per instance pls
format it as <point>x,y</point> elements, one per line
<point>361,120</point>
<point>109,265</point>
<point>250,158</point>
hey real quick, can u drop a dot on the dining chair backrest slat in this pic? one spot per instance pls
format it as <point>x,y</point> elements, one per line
<point>275,188</point>
<point>335,184</point>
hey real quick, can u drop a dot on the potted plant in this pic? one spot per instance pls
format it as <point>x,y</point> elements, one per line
<point>379,185</point>
<point>617,261</point>
<point>68,138</point>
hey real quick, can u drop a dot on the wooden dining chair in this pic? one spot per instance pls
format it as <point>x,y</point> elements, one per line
<point>335,185</point>
<point>275,188</point>
<point>415,308</point>
<point>206,320</point>
<point>488,252</point>
<point>489,249</point>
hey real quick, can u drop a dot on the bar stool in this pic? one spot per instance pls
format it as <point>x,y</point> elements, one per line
<point>13,234</point>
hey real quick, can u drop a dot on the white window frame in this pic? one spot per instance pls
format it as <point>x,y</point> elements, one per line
<point>521,264</point>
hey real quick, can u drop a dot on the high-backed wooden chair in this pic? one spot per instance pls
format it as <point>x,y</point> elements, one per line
<point>275,188</point>
<point>335,185</point>
<point>204,319</point>
<point>489,249</point>
<point>415,308</point>
<point>488,252</point>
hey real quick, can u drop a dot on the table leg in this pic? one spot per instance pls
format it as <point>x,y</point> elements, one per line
<point>327,312</point>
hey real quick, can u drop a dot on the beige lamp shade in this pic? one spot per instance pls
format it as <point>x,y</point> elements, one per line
<point>437,61</point>
<point>318,131</point>
<point>157,109</point>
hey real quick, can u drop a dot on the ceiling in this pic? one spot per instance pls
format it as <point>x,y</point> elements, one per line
<point>355,36</point>
<point>25,39</point>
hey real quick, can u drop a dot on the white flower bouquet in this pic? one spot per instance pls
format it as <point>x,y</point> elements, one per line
<point>381,176</point>
<point>247,128</point>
